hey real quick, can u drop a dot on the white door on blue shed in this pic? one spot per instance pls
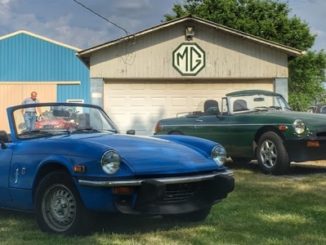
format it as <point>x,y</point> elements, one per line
<point>13,93</point>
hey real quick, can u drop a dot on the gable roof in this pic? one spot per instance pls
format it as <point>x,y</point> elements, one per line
<point>283,48</point>
<point>39,37</point>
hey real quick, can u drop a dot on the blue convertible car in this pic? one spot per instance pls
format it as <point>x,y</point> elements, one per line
<point>64,161</point>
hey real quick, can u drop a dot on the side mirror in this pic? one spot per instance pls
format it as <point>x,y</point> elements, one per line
<point>131,132</point>
<point>3,139</point>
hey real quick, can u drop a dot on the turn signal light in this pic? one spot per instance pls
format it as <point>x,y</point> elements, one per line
<point>313,144</point>
<point>282,127</point>
<point>158,128</point>
<point>80,169</point>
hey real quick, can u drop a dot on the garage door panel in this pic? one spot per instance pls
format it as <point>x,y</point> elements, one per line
<point>158,101</point>
<point>138,101</point>
<point>139,105</point>
<point>118,101</point>
<point>156,87</point>
<point>177,102</point>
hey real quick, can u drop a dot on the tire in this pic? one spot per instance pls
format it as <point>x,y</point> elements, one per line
<point>58,206</point>
<point>195,216</point>
<point>271,154</point>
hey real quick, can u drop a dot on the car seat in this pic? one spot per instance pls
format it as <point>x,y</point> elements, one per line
<point>240,105</point>
<point>211,107</point>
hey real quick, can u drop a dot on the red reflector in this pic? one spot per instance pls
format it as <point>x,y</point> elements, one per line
<point>283,127</point>
<point>313,143</point>
<point>157,128</point>
<point>122,190</point>
<point>79,169</point>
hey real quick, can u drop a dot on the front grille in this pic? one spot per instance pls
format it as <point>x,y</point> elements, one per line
<point>321,134</point>
<point>179,192</point>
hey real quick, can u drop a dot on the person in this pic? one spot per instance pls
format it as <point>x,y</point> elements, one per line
<point>30,114</point>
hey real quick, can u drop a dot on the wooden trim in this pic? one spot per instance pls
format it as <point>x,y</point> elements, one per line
<point>284,48</point>
<point>176,79</point>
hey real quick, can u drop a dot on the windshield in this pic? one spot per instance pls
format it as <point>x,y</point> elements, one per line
<point>257,102</point>
<point>43,120</point>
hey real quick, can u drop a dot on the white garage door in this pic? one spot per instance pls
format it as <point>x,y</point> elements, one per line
<point>139,105</point>
<point>13,93</point>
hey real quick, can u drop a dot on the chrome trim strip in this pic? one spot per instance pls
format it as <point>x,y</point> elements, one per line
<point>167,180</point>
<point>220,125</point>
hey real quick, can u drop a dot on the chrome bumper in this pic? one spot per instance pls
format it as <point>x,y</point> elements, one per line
<point>166,180</point>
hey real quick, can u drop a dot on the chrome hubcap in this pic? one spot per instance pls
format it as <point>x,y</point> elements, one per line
<point>59,208</point>
<point>268,154</point>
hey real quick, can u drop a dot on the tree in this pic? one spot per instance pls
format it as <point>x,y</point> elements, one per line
<point>307,74</point>
<point>270,20</point>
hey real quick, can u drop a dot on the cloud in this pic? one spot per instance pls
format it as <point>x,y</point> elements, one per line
<point>313,12</point>
<point>61,26</point>
<point>67,22</point>
<point>4,2</point>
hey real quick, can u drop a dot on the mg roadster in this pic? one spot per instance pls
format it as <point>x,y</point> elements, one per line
<point>255,124</point>
<point>63,172</point>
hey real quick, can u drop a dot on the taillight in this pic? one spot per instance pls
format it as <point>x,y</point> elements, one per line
<point>157,127</point>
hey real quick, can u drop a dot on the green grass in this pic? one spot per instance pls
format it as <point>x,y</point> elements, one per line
<point>262,209</point>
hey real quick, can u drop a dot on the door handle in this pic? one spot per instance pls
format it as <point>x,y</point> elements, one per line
<point>199,120</point>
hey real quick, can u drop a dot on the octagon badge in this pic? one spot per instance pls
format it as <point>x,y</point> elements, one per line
<point>188,59</point>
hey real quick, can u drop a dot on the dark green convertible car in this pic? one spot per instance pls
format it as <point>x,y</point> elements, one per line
<point>255,124</point>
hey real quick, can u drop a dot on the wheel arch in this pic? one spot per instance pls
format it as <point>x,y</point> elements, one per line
<point>263,130</point>
<point>176,132</point>
<point>46,168</point>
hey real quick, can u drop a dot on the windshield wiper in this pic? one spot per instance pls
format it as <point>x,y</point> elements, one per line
<point>276,107</point>
<point>279,108</point>
<point>93,130</point>
<point>35,133</point>
<point>261,108</point>
<point>111,130</point>
<point>86,130</point>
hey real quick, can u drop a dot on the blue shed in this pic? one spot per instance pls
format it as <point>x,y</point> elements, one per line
<point>29,62</point>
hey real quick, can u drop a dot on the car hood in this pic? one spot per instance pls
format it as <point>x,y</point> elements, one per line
<point>148,155</point>
<point>314,120</point>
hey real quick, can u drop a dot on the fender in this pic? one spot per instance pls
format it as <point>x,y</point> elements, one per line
<point>203,146</point>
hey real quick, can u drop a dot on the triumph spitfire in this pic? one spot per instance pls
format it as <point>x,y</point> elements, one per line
<point>74,162</point>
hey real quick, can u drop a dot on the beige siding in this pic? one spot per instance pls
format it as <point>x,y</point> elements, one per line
<point>139,105</point>
<point>14,94</point>
<point>227,56</point>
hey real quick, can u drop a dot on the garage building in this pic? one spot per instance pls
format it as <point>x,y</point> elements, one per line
<point>29,62</point>
<point>174,67</point>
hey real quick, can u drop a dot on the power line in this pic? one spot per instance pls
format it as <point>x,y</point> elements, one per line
<point>101,16</point>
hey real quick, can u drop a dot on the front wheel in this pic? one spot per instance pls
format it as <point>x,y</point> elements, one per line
<point>58,206</point>
<point>271,154</point>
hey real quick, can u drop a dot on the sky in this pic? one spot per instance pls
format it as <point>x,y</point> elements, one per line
<point>67,22</point>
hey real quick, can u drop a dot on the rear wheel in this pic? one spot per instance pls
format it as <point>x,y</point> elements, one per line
<point>58,206</point>
<point>271,154</point>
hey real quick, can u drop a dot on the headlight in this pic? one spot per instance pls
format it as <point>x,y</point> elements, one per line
<point>219,155</point>
<point>299,126</point>
<point>110,162</point>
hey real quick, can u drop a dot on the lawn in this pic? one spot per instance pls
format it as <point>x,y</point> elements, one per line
<point>262,209</point>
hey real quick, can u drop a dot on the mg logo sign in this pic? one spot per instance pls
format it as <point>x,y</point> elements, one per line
<point>188,59</point>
